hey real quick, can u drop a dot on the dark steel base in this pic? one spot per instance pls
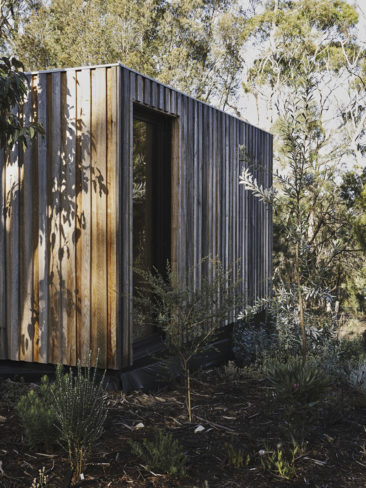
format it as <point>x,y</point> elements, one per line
<point>152,369</point>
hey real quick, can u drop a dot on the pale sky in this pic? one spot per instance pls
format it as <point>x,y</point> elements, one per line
<point>361,7</point>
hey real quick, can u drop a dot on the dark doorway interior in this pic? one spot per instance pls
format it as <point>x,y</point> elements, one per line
<point>152,135</point>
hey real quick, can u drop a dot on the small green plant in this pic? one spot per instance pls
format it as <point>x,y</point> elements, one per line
<point>301,389</point>
<point>163,454</point>
<point>231,372</point>
<point>42,480</point>
<point>276,462</point>
<point>189,318</point>
<point>297,382</point>
<point>235,456</point>
<point>80,407</point>
<point>38,416</point>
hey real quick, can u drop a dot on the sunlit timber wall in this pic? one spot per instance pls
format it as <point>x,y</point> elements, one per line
<point>66,211</point>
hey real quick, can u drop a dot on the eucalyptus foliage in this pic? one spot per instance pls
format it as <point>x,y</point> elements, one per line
<point>14,15</point>
<point>284,33</point>
<point>314,247</point>
<point>307,76</point>
<point>189,44</point>
<point>13,82</point>
<point>353,192</point>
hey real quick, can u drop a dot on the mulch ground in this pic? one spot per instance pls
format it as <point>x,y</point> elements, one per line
<point>242,413</point>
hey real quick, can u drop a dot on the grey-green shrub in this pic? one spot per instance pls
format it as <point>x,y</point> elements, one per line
<point>38,416</point>
<point>251,342</point>
<point>81,409</point>
<point>163,454</point>
<point>357,375</point>
<point>281,336</point>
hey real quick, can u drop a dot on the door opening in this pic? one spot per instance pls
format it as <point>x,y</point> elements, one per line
<point>152,136</point>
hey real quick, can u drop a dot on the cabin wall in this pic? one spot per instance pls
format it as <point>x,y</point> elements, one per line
<point>212,215</point>
<point>58,251</point>
<point>66,212</point>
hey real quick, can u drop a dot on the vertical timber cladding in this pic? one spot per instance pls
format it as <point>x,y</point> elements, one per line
<point>212,215</point>
<point>58,238</point>
<point>3,335</point>
<point>66,211</point>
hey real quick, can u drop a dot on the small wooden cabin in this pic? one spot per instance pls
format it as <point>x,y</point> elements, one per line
<point>130,172</point>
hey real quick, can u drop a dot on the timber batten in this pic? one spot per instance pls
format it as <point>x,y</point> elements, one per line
<point>66,250</point>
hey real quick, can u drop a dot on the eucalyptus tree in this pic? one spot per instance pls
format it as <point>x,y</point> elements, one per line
<point>14,15</point>
<point>285,32</point>
<point>353,191</point>
<point>302,54</point>
<point>351,103</point>
<point>193,45</point>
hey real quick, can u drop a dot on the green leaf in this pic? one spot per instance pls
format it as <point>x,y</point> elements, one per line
<point>17,64</point>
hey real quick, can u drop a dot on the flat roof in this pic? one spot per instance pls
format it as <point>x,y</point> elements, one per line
<point>79,68</point>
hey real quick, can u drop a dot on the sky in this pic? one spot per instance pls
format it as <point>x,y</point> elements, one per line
<point>361,7</point>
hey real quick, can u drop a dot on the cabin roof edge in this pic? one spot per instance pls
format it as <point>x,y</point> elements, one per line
<point>121,65</point>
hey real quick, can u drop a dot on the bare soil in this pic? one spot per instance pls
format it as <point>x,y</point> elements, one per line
<point>240,412</point>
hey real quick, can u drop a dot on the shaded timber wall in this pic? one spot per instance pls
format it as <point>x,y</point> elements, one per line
<point>66,211</point>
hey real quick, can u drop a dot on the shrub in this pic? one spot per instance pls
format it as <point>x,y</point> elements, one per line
<point>351,350</point>
<point>38,416</point>
<point>188,318</point>
<point>280,334</point>
<point>251,342</point>
<point>297,382</point>
<point>163,454</point>
<point>357,376</point>
<point>80,406</point>
<point>339,357</point>
<point>231,372</point>
<point>298,387</point>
